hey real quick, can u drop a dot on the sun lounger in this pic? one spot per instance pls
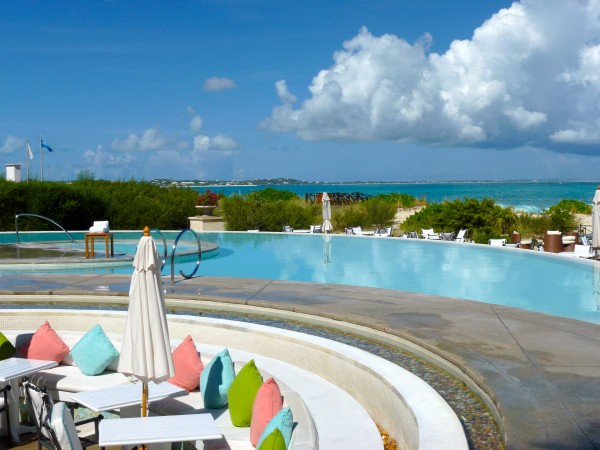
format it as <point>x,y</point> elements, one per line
<point>428,233</point>
<point>580,251</point>
<point>383,232</point>
<point>497,242</point>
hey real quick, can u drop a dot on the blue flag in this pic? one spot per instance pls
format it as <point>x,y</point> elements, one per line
<point>46,146</point>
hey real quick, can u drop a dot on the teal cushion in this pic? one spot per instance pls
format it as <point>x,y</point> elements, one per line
<point>284,421</point>
<point>215,380</point>
<point>6,347</point>
<point>242,393</point>
<point>273,441</point>
<point>93,352</point>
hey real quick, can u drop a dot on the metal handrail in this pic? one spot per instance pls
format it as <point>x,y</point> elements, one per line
<point>41,217</point>
<point>164,261</point>
<point>173,256</point>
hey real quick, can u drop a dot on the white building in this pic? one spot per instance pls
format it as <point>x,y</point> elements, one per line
<point>13,172</point>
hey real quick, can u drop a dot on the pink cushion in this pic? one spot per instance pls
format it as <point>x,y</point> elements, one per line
<point>46,344</point>
<point>188,365</point>
<point>267,403</point>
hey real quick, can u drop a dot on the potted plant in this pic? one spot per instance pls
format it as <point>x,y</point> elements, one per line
<point>206,202</point>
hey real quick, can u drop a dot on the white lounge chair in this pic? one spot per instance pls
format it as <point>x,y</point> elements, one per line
<point>462,235</point>
<point>383,232</point>
<point>497,242</point>
<point>447,236</point>
<point>428,233</point>
<point>316,228</point>
<point>581,251</point>
<point>358,231</point>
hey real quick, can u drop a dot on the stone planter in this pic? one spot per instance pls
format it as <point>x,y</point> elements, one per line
<point>205,210</point>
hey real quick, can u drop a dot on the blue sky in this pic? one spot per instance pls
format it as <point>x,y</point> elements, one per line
<point>322,91</point>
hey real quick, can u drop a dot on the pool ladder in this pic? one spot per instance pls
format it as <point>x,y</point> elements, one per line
<point>40,217</point>
<point>181,233</point>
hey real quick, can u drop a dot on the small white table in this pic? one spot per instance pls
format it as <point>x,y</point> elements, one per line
<point>125,397</point>
<point>157,429</point>
<point>11,370</point>
<point>14,368</point>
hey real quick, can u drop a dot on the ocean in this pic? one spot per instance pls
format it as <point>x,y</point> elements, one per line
<point>538,194</point>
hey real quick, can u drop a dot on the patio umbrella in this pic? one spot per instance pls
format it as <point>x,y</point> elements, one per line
<point>326,248</point>
<point>596,221</point>
<point>326,204</point>
<point>146,350</point>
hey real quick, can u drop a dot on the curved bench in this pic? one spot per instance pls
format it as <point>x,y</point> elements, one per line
<point>410,410</point>
<point>66,379</point>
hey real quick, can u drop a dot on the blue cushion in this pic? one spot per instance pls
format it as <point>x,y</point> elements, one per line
<point>93,352</point>
<point>215,380</point>
<point>284,421</point>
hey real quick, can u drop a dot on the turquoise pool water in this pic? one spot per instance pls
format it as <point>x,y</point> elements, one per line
<point>518,278</point>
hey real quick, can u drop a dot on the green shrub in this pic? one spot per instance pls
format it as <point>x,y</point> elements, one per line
<point>398,199</point>
<point>350,216</point>
<point>271,195</point>
<point>380,213</point>
<point>484,218</point>
<point>126,205</point>
<point>249,213</point>
<point>573,206</point>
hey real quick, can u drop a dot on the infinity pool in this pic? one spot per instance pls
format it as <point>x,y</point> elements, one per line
<point>535,281</point>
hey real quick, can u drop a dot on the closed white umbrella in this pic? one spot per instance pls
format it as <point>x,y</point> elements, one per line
<point>146,350</point>
<point>326,204</point>
<point>596,221</point>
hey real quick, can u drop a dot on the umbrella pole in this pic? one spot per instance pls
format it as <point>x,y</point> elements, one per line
<point>144,406</point>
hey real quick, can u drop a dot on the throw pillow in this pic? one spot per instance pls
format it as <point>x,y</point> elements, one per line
<point>273,441</point>
<point>6,347</point>
<point>267,403</point>
<point>93,352</point>
<point>46,344</point>
<point>284,421</point>
<point>188,365</point>
<point>215,380</point>
<point>242,393</point>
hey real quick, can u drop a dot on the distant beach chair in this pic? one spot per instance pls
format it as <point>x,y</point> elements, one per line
<point>581,251</point>
<point>382,232</point>
<point>447,236</point>
<point>461,236</point>
<point>358,231</point>
<point>428,233</point>
<point>288,229</point>
<point>413,235</point>
<point>316,228</point>
<point>497,242</point>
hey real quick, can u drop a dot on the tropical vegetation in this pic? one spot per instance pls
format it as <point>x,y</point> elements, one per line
<point>128,205</point>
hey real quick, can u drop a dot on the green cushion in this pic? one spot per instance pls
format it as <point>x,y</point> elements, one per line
<point>215,380</point>
<point>242,393</point>
<point>93,352</point>
<point>284,421</point>
<point>274,441</point>
<point>6,348</point>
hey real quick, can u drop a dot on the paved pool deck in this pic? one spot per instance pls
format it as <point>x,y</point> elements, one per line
<point>542,372</point>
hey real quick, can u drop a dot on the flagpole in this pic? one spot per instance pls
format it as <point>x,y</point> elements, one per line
<point>27,157</point>
<point>41,161</point>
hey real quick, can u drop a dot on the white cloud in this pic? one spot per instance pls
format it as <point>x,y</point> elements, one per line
<point>149,140</point>
<point>196,123</point>
<point>218,84</point>
<point>219,142</point>
<point>12,144</point>
<point>524,78</point>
